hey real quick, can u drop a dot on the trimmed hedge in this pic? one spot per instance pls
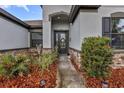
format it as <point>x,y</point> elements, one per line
<point>96,56</point>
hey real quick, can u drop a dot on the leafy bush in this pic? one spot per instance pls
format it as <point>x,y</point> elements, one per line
<point>96,56</point>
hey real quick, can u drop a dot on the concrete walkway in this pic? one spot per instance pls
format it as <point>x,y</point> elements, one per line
<point>68,75</point>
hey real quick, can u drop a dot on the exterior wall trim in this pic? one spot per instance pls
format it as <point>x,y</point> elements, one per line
<point>13,18</point>
<point>6,50</point>
<point>7,16</point>
<point>37,27</point>
<point>75,50</point>
<point>76,8</point>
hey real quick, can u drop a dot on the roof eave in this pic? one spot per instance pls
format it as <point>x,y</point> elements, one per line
<point>76,8</point>
<point>13,18</point>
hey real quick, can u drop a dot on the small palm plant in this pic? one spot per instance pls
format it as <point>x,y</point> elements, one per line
<point>13,65</point>
<point>19,69</point>
<point>3,71</point>
<point>21,65</point>
<point>46,59</point>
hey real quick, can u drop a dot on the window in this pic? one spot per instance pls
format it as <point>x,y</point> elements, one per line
<point>114,28</point>
<point>36,39</point>
<point>118,33</point>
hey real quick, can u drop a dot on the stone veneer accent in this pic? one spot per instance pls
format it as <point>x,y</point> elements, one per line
<point>45,50</point>
<point>118,60</point>
<point>75,57</point>
<point>16,51</point>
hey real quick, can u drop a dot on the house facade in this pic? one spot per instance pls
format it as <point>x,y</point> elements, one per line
<point>82,21</point>
<point>16,34</point>
<point>66,26</point>
<point>63,26</point>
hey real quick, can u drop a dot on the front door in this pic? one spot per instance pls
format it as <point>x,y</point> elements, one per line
<point>61,41</point>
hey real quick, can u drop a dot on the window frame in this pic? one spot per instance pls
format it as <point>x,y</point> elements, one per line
<point>110,33</point>
<point>31,40</point>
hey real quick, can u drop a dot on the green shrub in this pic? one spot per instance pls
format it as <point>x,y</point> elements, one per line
<point>21,65</point>
<point>14,65</point>
<point>96,56</point>
<point>19,69</point>
<point>7,59</point>
<point>2,70</point>
<point>47,59</point>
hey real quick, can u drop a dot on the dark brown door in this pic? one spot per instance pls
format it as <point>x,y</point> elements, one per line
<point>61,41</point>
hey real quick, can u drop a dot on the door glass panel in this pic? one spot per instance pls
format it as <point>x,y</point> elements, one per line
<point>61,41</point>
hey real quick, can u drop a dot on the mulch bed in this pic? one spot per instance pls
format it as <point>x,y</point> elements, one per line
<point>33,79</point>
<point>116,80</point>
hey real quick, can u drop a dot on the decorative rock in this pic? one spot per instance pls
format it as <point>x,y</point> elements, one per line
<point>118,60</point>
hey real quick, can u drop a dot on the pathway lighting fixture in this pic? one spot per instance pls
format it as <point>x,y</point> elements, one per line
<point>105,84</point>
<point>42,83</point>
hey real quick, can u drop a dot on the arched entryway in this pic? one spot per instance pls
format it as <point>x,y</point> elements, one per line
<point>60,31</point>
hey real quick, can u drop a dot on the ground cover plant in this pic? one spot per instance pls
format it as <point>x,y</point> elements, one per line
<point>22,70</point>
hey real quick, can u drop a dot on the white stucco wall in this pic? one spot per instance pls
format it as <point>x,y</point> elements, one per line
<point>106,11</point>
<point>86,24</point>
<point>90,24</point>
<point>47,31</point>
<point>75,34</point>
<point>29,42</point>
<point>13,35</point>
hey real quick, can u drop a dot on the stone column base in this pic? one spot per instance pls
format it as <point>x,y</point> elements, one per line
<point>75,57</point>
<point>46,50</point>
